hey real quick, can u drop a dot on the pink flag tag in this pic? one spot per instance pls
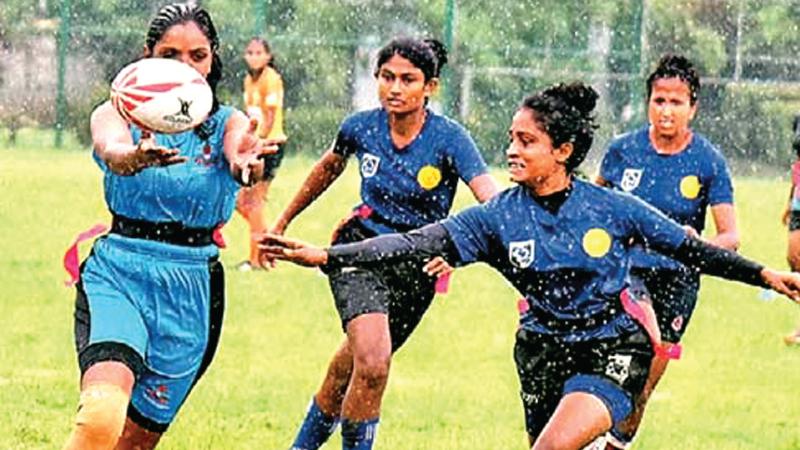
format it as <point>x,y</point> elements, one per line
<point>71,260</point>
<point>218,238</point>
<point>443,283</point>
<point>647,318</point>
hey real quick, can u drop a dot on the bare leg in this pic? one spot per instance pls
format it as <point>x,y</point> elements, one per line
<point>370,343</point>
<point>793,251</point>
<point>630,425</point>
<point>577,421</point>
<point>250,204</point>
<point>105,393</point>
<point>793,258</point>
<point>331,394</point>
<point>256,220</point>
<point>135,437</point>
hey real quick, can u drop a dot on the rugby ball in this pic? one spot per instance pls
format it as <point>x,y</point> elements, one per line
<point>161,95</point>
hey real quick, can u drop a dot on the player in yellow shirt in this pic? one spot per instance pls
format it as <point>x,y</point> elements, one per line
<point>263,99</point>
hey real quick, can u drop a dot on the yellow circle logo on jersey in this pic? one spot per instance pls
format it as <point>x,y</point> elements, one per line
<point>596,242</point>
<point>429,177</point>
<point>690,187</point>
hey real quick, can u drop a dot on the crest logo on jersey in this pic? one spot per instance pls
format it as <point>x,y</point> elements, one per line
<point>207,159</point>
<point>429,177</point>
<point>521,253</point>
<point>369,165</point>
<point>690,187</point>
<point>596,242</point>
<point>618,367</point>
<point>630,179</point>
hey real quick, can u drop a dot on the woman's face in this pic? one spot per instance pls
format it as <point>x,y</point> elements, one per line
<point>256,55</point>
<point>185,42</point>
<point>530,155</point>
<point>402,87</point>
<point>669,108</point>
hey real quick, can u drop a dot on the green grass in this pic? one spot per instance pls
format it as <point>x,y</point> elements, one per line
<point>452,387</point>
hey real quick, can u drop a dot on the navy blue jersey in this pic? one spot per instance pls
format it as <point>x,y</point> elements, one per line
<point>199,193</point>
<point>570,266</point>
<point>682,185</point>
<point>413,186</point>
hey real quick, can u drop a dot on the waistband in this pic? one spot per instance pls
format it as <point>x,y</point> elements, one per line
<point>167,232</point>
<point>365,212</point>
<point>155,252</point>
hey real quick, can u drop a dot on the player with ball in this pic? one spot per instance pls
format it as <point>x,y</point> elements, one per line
<point>150,298</point>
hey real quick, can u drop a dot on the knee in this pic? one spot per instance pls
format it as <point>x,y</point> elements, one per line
<point>552,442</point>
<point>373,368</point>
<point>793,252</point>
<point>793,258</point>
<point>101,417</point>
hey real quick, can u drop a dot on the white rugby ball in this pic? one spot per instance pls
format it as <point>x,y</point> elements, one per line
<point>161,95</point>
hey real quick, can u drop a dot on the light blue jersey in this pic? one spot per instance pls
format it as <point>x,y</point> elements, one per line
<point>200,193</point>
<point>161,302</point>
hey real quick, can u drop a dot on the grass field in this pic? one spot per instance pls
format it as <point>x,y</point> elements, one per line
<point>452,387</point>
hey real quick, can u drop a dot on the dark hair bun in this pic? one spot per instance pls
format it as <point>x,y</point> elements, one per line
<point>565,113</point>
<point>577,95</point>
<point>438,49</point>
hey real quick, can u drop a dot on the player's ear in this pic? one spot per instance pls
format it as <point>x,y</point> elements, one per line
<point>431,86</point>
<point>146,51</point>
<point>693,111</point>
<point>563,152</point>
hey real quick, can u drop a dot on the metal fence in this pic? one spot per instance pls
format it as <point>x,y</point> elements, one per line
<point>746,50</point>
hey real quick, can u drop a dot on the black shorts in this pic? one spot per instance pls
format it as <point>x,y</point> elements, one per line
<point>399,289</point>
<point>674,296</point>
<point>794,221</point>
<point>271,164</point>
<point>613,370</point>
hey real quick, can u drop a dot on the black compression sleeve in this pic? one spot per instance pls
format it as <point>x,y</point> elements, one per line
<point>428,241</point>
<point>718,262</point>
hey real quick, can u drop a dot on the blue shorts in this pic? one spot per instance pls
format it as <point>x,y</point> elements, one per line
<point>155,307</point>
<point>674,297</point>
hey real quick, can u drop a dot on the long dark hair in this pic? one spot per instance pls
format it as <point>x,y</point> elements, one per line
<point>565,113</point>
<point>428,55</point>
<point>179,13</point>
<point>271,63</point>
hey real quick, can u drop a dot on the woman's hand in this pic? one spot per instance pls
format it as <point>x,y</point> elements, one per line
<point>248,164</point>
<point>148,154</point>
<point>437,267</point>
<point>273,246</point>
<point>786,283</point>
<point>691,232</point>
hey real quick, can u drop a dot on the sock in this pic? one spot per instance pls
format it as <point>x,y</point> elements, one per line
<point>616,439</point>
<point>317,427</point>
<point>359,435</point>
